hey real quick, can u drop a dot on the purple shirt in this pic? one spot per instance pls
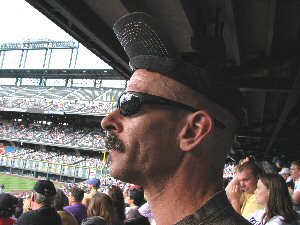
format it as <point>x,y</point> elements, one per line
<point>79,211</point>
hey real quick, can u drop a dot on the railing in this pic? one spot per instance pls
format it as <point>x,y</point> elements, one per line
<point>61,169</point>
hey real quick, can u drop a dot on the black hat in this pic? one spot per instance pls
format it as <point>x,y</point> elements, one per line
<point>148,47</point>
<point>7,203</point>
<point>45,187</point>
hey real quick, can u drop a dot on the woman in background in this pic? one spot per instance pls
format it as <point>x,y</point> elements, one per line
<point>117,197</point>
<point>8,205</point>
<point>101,211</point>
<point>272,192</point>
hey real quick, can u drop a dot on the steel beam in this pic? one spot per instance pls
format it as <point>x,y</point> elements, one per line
<point>290,103</point>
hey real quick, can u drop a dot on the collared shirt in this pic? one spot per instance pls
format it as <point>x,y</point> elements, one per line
<point>216,211</point>
<point>250,205</point>
<point>79,211</point>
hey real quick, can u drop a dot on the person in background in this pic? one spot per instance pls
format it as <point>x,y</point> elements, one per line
<point>295,174</point>
<point>41,212</point>
<point>26,203</point>
<point>60,201</point>
<point>145,211</point>
<point>135,200</point>
<point>240,190</point>
<point>76,207</point>
<point>285,173</point>
<point>116,195</point>
<point>173,127</point>
<point>101,209</point>
<point>86,201</point>
<point>8,204</point>
<point>2,188</point>
<point>19,208</point>
<point>94,185</point>
<point>272,193</point>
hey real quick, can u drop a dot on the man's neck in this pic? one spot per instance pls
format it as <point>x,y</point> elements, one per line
<point>75,203</point>
<point>36,206</point>
<point>179,197</point>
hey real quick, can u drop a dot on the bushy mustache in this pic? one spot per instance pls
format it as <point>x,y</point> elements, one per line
<point>112,142</point>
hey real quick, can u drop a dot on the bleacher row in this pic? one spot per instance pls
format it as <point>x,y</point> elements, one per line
<point>51,99</point>
<point>55,157</point>
<point>32,162</point>
<point>87,138</point>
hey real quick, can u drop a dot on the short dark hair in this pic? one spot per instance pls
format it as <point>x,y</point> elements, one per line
<point>250,165</point>
<point>137,195</point>
<point>77,193</point>
<point>296,163</point>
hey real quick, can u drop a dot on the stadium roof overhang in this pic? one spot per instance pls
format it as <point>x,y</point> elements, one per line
<point>258,41</point>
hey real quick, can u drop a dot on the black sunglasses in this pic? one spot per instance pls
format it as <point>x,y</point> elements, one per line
<point>130,102</point>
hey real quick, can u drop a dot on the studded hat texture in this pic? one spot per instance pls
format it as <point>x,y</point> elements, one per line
<point>149,47</point>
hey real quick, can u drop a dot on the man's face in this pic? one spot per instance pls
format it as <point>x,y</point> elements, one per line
<point>285,176</point>
<point>71,198</point>
<point>295,171</point>
<point>248,181</point>
<point>143,143</point>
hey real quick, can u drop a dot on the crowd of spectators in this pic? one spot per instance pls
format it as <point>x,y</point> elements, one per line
<point>75,100</point>
<point>58,106</point>
<point>57,157</point>
<point>55,134</point>
<point>275,183</point>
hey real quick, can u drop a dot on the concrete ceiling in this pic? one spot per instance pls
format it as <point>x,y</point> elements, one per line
<point>257,41</point>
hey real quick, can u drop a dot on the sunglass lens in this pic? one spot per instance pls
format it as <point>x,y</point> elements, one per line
<point>129,104</point>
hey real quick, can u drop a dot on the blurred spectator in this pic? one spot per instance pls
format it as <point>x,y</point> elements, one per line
<point>2,188</point>
<point>86,201</point>
<point>240,190</point>
<point>54,133</point>
<point>295,173</point>
<point>19,208</point>
<point>116,195</point>
<point>273,194</point>
<point>8,204</point>
<point>135,199</point>
<point>26,204</point>
<point>41,200</point>
<point>101,206</point>
<point>94,185</point>
<point>76,207</point>
<point>60,201</point>
<point>285,173</point>
<point>145,211</point>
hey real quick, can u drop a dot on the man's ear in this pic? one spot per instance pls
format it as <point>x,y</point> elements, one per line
<point>198,125</point>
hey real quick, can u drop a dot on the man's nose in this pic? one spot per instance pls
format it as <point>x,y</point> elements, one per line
<point>112,121</point>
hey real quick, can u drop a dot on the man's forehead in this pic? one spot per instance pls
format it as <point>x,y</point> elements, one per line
<point>146,81</point>
<point>294,167</point>
<point>245,172</point>
<point>157,84</point>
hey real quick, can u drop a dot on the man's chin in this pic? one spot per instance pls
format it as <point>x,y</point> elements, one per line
<point>121,173</point>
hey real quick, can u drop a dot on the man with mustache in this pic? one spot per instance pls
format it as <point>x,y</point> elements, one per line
<point>173,128</point>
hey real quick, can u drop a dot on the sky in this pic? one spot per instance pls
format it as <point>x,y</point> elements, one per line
<point>19,21</point>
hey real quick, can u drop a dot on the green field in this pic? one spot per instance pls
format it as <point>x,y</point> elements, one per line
<point>16,183</point>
